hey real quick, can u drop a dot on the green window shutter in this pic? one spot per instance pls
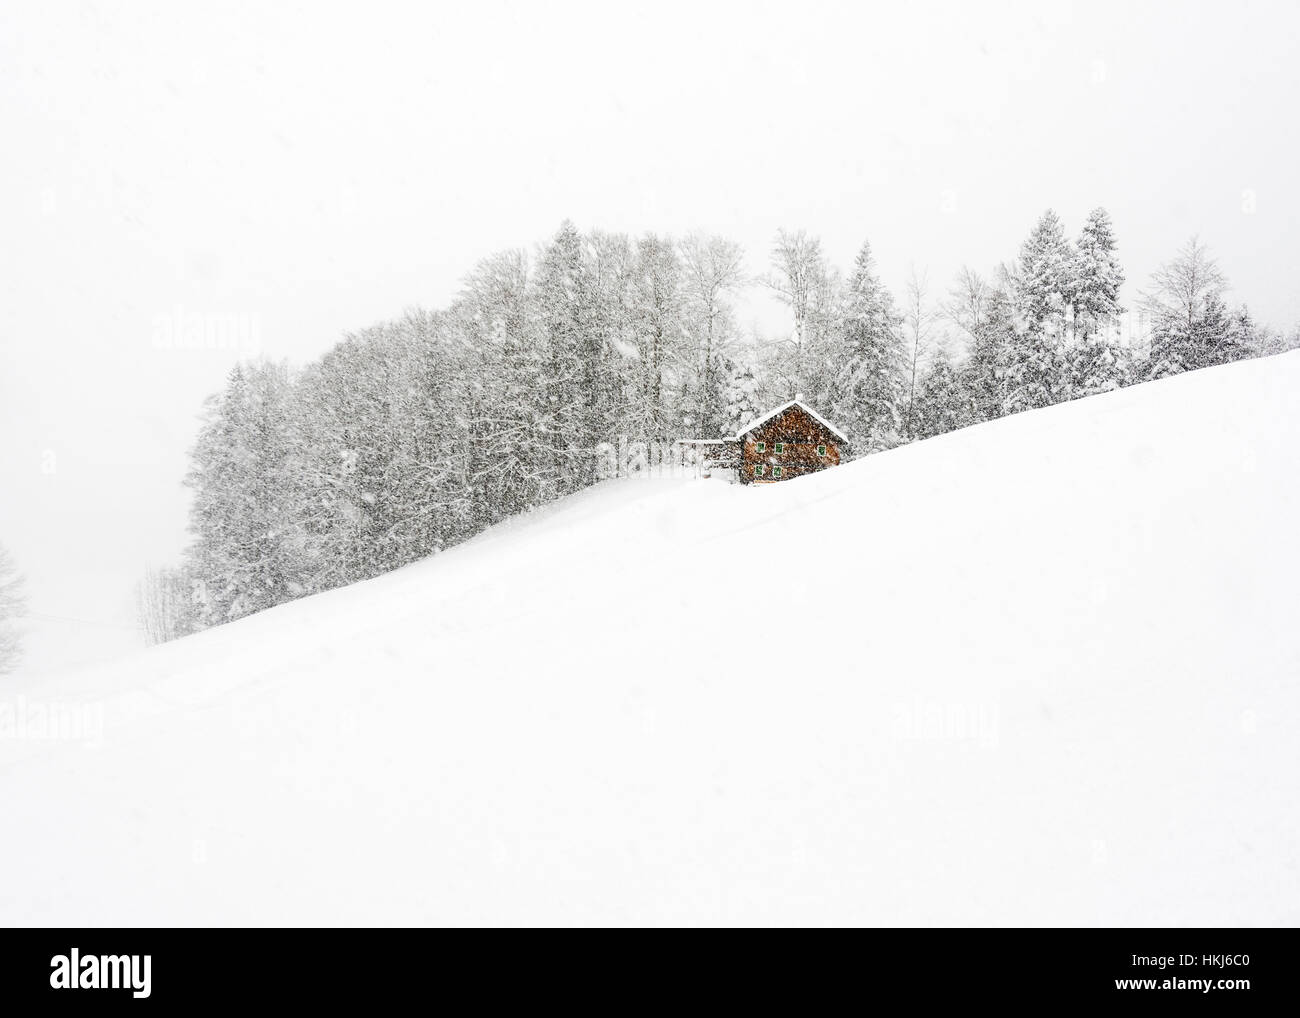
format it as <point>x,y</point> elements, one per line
<point>821,450</point>
<point>758,469</point>
<point>761,446</point>
<point>780,447</point>
<point>776,471</point>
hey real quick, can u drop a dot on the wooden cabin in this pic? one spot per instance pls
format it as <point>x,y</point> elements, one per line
<point>790,441</point>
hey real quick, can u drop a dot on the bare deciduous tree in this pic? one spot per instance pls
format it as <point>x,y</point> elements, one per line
<point>965,306</point>
<point>1181,288</point>
<point>164,605</point>
<point>918,329</point>
<point>13,606</point>
<point>712,267</point>
<point>800,274</point>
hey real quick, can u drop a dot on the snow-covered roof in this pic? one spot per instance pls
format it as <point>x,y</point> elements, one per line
<point>759,422</point>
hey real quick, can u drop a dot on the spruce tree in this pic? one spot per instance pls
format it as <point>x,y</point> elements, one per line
<point>1092,358</point>
<point>868,394</point>
<point>569,393</point>
<point>241,517</point>
<point>495,315</point>
<point>941,400</point>
<point>1042,285</point>
<point>1044,279</point>
<point>1095,278</point>
<point>989,372</point>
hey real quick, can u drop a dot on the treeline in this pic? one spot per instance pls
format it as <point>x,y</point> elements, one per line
<point>413,435</point>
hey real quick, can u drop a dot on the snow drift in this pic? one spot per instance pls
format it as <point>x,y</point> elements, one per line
<point>1041,671</point>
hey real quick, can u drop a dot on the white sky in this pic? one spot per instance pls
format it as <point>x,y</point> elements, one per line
<point>315,168</point>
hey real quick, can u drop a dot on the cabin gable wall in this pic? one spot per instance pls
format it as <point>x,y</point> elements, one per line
<point>799,434</point>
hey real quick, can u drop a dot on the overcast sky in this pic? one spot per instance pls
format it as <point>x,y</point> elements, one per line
<point>313,168</point>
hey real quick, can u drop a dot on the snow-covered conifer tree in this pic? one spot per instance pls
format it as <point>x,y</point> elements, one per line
<point>868,393</point>
<point>1043,281</point>
<point>1095,278</point>
<point>942,404</point>
<point>580,385</point>
<point>989,372</point>
<point>241,516</point>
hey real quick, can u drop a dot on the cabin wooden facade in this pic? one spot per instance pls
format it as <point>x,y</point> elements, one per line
<point>790,441</point>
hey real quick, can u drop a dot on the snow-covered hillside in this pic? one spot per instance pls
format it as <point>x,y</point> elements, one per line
<point>1043,671</point>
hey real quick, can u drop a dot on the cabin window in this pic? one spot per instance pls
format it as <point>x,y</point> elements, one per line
<point>821,450</point>
<point>779,448</point>
<point>758,469</point>
<point>760,446</point>
<point>776,471</point>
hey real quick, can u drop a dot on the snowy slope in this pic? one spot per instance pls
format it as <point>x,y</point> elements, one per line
<point>1042,671</point>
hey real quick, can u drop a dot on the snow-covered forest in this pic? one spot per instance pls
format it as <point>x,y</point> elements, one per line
<point>415,434</point>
